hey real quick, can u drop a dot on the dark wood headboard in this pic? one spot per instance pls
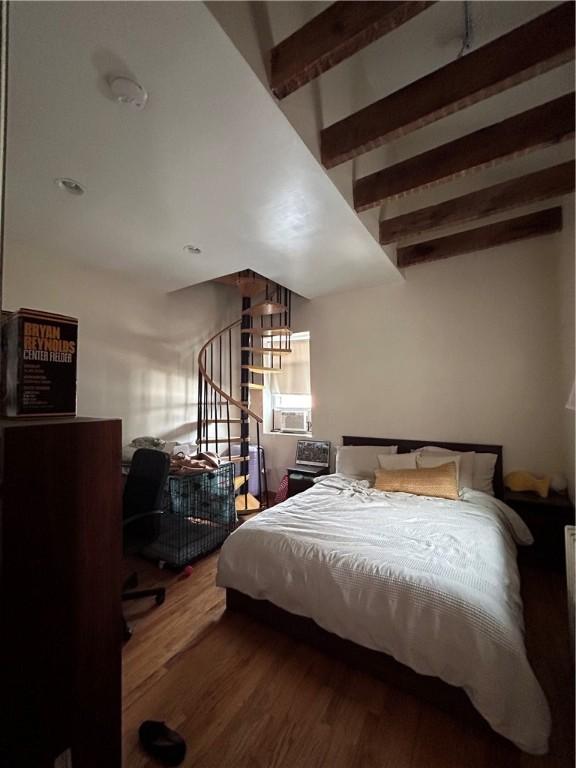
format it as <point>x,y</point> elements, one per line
<point>405,446</point>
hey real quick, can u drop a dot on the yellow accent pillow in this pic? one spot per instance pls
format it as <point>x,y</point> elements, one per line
<point>439,481</point>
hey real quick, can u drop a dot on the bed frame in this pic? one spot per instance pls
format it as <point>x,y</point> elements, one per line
<point>301,628</point>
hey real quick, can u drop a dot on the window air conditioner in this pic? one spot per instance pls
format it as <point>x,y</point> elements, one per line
<point>292,421</point>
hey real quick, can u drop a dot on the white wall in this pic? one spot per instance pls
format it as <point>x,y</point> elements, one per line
<point>565,276</point>
<point>477,348</point>
<point>137,346</point>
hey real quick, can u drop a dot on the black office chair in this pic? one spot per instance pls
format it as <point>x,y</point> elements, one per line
<point>142,513</point>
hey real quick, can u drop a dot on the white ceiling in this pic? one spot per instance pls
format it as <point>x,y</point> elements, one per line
<point>214,160</point>
<point>211,161</point>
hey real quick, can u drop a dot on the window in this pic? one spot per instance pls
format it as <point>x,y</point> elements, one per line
<point>288,402</point>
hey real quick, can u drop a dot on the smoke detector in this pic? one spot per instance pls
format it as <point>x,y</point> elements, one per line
<point>126,91</point>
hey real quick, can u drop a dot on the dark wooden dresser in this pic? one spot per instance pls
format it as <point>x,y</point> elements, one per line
<point>546,519</point>
<point>61,549</point>
<point>302,478</point>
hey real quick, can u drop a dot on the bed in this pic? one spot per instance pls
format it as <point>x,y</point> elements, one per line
<point>424,591</point>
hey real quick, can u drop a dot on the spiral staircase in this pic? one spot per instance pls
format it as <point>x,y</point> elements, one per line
<point>231,369</point>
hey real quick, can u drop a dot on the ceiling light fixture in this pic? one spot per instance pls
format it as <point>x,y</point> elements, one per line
<point>193,249</point>
<point>126,91</point>
<point>70,185</point>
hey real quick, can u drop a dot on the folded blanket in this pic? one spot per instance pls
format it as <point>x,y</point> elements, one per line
<point>180,464</point>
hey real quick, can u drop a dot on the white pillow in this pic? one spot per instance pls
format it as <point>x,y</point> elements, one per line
<point>397,461</point>
<point>359,461</point>
<point>483,465</point>
<point>431,460</point>
<point>466,469</point>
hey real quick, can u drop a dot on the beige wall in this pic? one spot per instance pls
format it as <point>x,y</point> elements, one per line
<point>565,277</point>
<point>478,348</point>
<point>137,347</point>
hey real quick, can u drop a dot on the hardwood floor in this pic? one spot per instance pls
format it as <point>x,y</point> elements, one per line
<point>245,696</point>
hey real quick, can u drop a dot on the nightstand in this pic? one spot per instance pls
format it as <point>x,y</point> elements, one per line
<point>302,478</point>
<point>546,519</point>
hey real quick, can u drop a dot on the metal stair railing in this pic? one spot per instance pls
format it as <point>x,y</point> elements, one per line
<point>215,401</point>
<point>216,383</point>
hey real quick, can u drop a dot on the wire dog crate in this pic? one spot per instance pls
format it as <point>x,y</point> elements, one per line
<point>201,515</point>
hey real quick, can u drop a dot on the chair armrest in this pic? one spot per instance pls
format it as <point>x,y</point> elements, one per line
<point>128,520</point>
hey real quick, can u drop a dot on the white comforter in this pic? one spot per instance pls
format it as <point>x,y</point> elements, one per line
<point>431,582</point>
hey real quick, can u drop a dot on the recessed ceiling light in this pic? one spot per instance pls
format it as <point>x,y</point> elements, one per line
<point>127,91</point>
<point>70,185</point>
<point>192,249</point>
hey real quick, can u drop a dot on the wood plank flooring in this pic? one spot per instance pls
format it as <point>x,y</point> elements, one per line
<point>245,696</point>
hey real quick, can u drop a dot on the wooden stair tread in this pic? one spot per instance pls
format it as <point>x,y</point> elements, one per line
<point>247,503</point>
<point>223,440</point>
<point>268,331</point>
<point>265,308</point>
<point>239,481</point>
<point>221,421</point>
<point>260,369</point>
<point>266,350</point>
<point>251,286</point>
<point>251,385</point>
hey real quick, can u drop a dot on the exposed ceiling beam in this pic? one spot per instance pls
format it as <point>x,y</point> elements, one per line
<point>539,127</point>
<point>542,185</point>
<point>332,36</point>
<point>534,48</point>
<point>521,228</point>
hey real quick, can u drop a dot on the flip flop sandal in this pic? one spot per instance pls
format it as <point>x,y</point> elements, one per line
<point>160,742</point>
